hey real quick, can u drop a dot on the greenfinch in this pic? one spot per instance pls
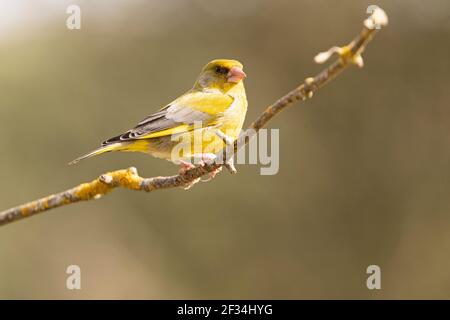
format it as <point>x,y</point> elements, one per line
<point>193,126</point>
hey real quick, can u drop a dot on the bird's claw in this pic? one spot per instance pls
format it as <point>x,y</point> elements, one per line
<point>185,166</point>
<point>212,174</point>
<point>202,161</point>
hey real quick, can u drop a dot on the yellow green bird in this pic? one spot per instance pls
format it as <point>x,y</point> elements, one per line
<point>194,125</point>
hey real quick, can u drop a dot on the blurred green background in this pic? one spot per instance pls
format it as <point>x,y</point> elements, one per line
<point>364,166</point>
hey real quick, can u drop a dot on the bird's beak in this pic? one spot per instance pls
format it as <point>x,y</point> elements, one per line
<point>235,75</point>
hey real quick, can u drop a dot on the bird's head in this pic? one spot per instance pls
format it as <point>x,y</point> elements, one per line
<point>221,74</point>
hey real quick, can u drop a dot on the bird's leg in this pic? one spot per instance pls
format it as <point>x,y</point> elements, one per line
<point>200,159</point>
<point>212,174</point>
<point>229,163</point>
<point>207,158</point>
<point>185,166</point>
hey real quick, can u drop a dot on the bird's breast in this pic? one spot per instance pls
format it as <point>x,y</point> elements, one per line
<point>233,117</point>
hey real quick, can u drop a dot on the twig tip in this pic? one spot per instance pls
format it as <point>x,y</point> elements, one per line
<point>377,19</point>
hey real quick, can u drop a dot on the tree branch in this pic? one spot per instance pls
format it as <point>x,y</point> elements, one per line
<point>129,178</point>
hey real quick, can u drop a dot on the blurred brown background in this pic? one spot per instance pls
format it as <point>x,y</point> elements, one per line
<point>364,175</point>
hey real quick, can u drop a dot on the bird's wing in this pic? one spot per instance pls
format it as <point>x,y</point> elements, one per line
<point>179,116</point>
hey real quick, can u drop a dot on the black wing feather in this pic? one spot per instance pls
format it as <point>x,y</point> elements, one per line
<point>152,123</point>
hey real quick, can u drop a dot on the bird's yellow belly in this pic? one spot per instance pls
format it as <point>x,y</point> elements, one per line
<point>187,145</point>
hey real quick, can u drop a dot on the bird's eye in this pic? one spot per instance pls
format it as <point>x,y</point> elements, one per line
<point>222,70</point>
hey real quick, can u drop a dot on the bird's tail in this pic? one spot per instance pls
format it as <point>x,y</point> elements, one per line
<point>102,149</point>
